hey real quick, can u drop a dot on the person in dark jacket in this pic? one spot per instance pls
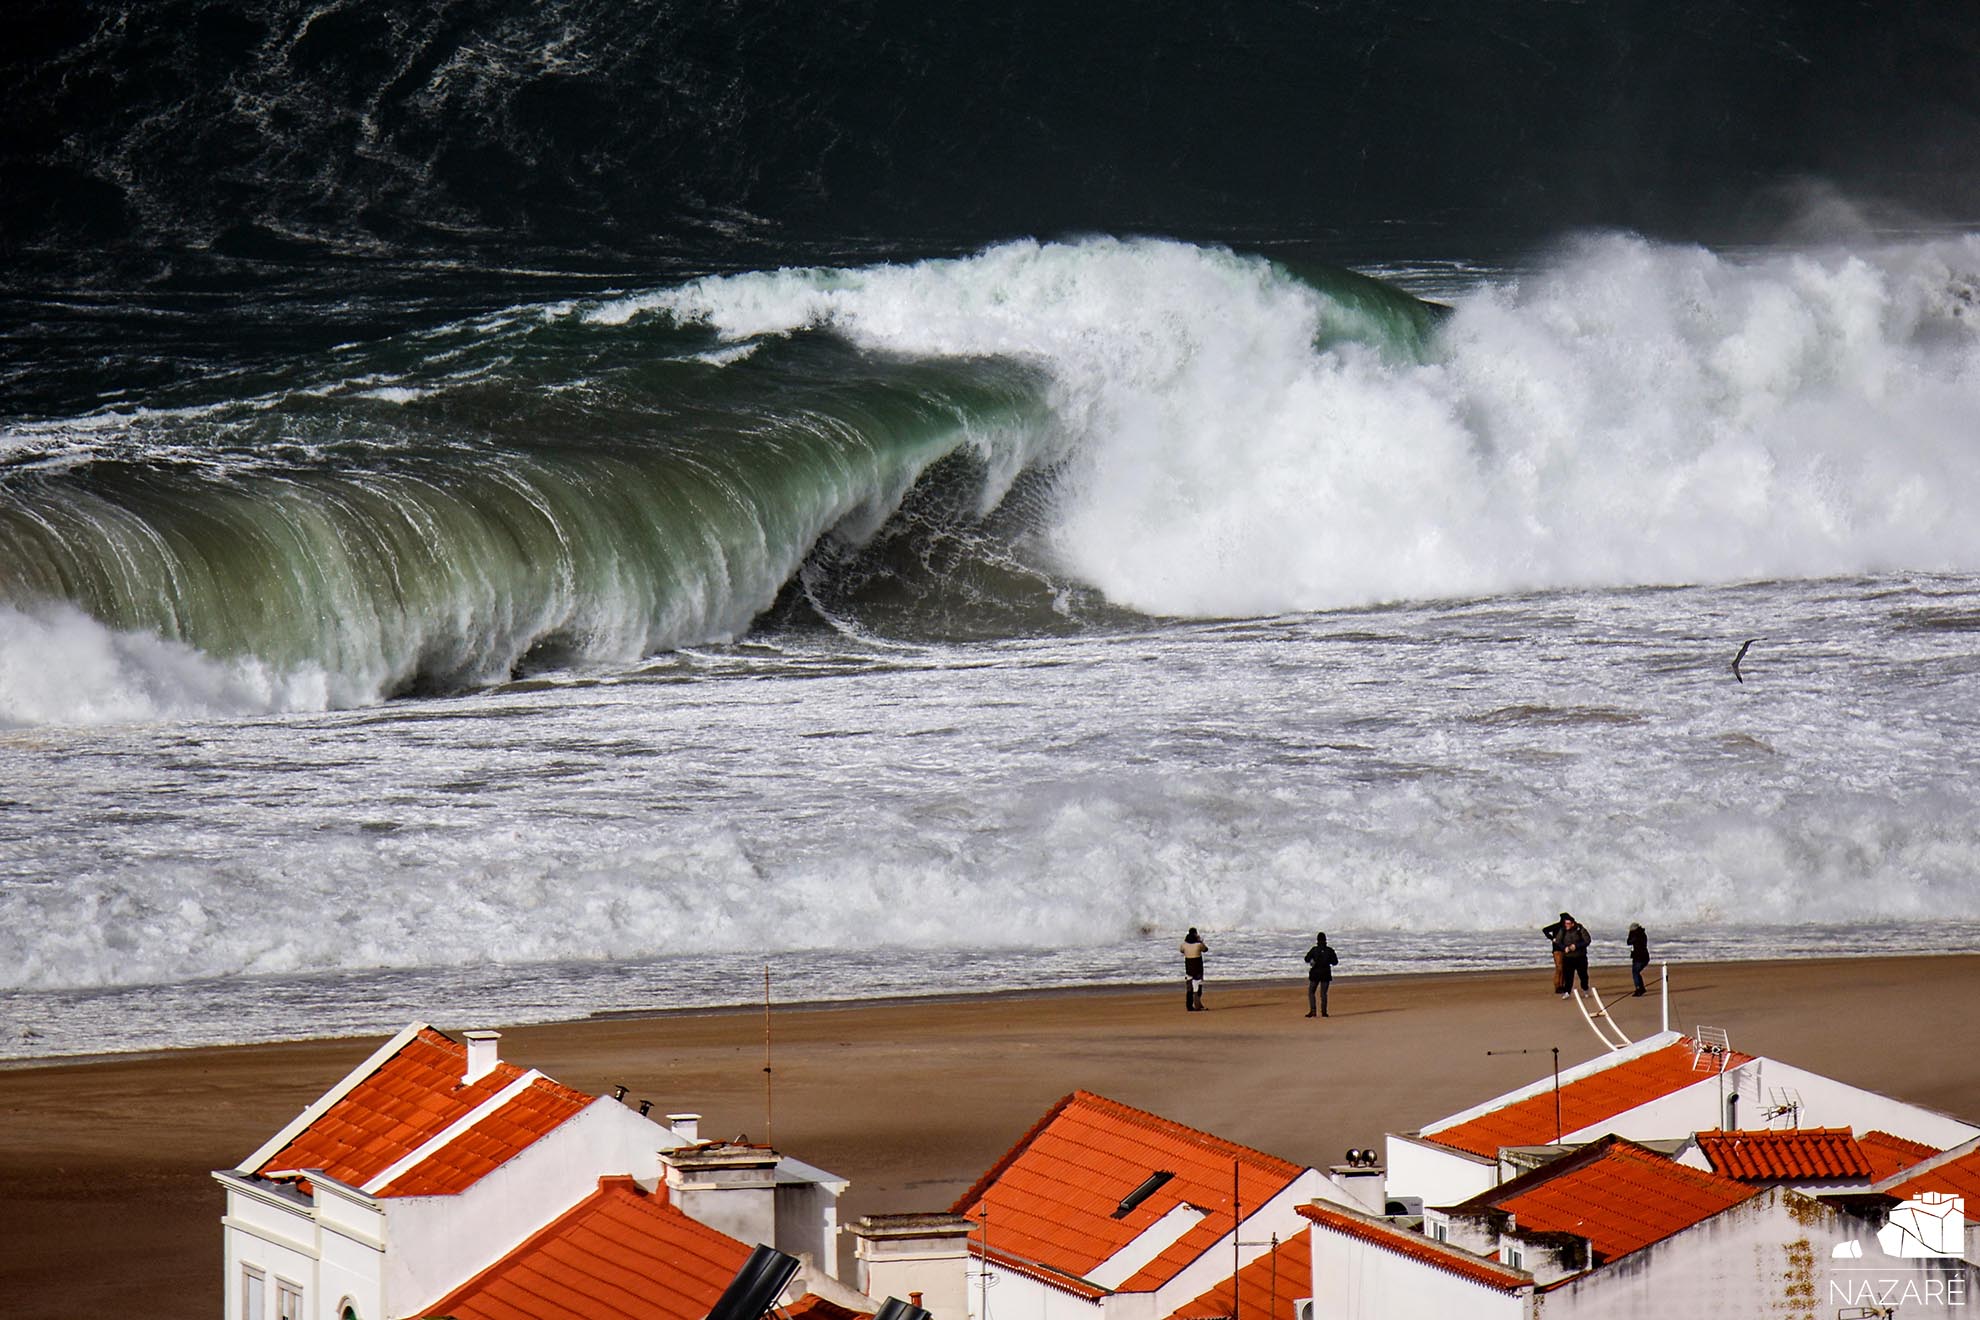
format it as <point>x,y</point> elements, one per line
<point>1193,949</point>
<point>1320,963</point>
<point>1575,942</point>
<point>1639,955</point>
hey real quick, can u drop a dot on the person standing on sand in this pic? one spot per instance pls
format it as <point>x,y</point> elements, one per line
<point>1639,956</point>
<point>1320,963</point>
<point>1575,940</point>
<point>1193,949</point>
<point>1554,934</point>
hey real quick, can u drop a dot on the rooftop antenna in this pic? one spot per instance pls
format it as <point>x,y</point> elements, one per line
<point>1711,1049</point>
<point>1787,1104</point>
<point>769,1132</point>
<point>1555,1050</point>
<point>984,1278</point>
<point>1237,1223</point>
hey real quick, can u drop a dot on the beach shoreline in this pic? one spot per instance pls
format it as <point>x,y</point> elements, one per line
<point>104,1160</point>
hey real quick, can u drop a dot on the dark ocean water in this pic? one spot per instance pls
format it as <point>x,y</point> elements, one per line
<point>469,472</point>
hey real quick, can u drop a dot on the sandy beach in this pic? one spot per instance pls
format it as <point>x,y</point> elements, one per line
<point>105,1198</point>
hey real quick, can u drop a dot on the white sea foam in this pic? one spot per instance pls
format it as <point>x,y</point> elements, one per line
<point>59,666</point>
<point>1628,414</point>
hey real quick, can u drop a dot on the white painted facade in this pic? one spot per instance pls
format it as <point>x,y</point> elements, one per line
<point>1355,1279</point>
<point>1741,1095</point>
<point>1772,1255</point>
<point>339,1250</point>
<point>388,1256</point>
<point>1437,1174</point>
<point>1015,1295</point>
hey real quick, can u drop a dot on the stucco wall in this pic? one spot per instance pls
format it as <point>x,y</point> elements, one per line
<point>1357,1280</point>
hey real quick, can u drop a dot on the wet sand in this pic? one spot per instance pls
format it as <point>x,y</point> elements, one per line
<point>106,1206</point>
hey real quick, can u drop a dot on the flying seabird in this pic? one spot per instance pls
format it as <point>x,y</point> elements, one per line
<point>1741,656</point>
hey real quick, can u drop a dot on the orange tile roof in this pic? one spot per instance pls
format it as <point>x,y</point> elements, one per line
<point>1051,1199</point>
<point>490,1143</point>
<point>1617,1194</point>
<point>1415,1246</point>
<point>1959,1176</point>
<point>620,1254</point>
<point>1584,1102</point>
<point>1785,1155</point>
<point>1263,1287</point>
<point>405,1102</point>
<point>1890,1155</point>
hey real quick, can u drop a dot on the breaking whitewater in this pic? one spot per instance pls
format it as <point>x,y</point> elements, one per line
<point>981,622</point>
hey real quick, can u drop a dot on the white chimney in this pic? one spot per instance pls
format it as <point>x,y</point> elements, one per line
<point>686,1126</point>
<point>482,1055</point>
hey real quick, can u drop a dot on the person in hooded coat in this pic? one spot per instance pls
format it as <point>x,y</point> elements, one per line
<point>1320,963</point>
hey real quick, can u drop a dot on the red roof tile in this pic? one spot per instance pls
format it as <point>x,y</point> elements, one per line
<point>490,1143</point>
<point>1423,1250</point>
<point>413,1097</point>
<point>1959,1176</point>
<point>1785,1155</point>
<point>1584,1101</point>
<point>1891,1155</point>
<point>406,1101</point>
<point>619,1254</point>
<point>1263,1287</point>
<point>1051,1199</point>
<point>1617,1194</point>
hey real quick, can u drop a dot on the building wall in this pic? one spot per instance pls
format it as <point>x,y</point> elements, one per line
<point>1279,1216</point>
<point>1438,1175</point>
<point>1825,1103</point>
<point>436,1243</point>
<point>1357,1280</point>
<point>1772,1255</point>
<point>334,1258</point>
<point>1013,1296</point>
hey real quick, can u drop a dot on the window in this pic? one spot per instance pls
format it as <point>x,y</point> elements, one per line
<point>288,1300</point>
<point>254,1294</point>
<point>1440,1231</point>
<point>1515,1257</point>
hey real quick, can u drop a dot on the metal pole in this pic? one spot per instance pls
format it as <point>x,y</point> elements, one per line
<point>1557,1095</point>
<point>1664,970</point>
<point>769,1129</point>
<point>1237,1222</point>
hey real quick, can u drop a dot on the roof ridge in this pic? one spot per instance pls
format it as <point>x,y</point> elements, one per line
<point>1726,1134</point>
<point>1599,1149</point>
<point>1201,1137</point>
<point>976,1190</point>
<point>1415,1246</point>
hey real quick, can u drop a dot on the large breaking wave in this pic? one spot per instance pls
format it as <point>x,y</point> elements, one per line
<point>1036,437</point>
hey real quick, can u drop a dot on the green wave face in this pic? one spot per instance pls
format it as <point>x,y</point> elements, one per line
<point>888,449</point>
<point>445,541</point>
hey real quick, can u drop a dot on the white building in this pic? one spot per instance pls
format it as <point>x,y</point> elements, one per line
<point>434,1159</point>
<point>1618,1231</point>
<point>1104,1210</point>
<point>1663,1088</point>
